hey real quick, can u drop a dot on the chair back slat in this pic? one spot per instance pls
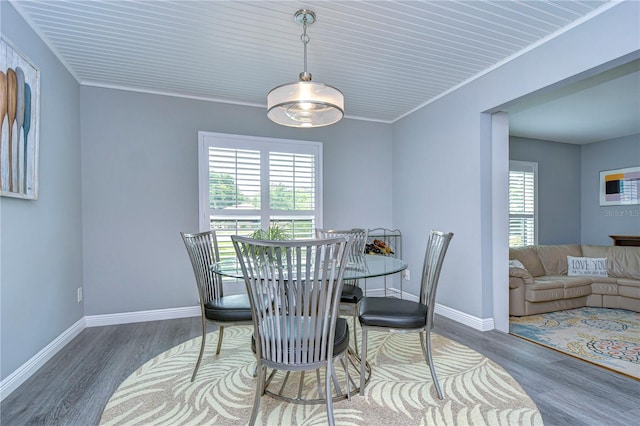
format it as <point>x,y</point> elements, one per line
<point>359,237</point>
<point>434,256</point>
<point>294,289</point>
<point>203,252</point>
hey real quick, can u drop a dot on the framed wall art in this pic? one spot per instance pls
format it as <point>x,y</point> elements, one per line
<point>20,114</point>
<point>620,186</point>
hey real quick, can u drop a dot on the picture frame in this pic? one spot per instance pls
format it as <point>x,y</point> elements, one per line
<point>620,186</point>
<point>20,123</point>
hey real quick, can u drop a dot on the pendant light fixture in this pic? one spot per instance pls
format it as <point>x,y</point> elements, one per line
<point>305,103</point>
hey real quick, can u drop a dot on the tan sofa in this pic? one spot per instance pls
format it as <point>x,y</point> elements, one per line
<point>543,285</point>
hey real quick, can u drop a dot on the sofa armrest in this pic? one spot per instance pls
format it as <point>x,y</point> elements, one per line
<point>516,296</point>
<point>521,273</point>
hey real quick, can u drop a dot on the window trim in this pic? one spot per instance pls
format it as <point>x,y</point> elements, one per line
<point>532,167</point>
<point>233,141</point>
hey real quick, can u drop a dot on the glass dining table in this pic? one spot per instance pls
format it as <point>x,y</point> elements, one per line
<point>369,266</point>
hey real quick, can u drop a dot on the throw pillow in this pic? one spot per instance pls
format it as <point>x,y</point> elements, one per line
<point>515,263</point>
<point>587,266</point>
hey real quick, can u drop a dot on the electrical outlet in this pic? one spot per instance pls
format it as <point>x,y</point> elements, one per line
<point>79,294</point>
<point>406,274</point>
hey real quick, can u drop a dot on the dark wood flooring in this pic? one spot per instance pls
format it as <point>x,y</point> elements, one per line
<point>74,386</point>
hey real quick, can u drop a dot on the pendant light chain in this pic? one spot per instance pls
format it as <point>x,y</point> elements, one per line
<point>305,76</point>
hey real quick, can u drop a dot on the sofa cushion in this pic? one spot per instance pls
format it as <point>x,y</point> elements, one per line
<point>622,262</point>
<point>628,282</point>
<point>563,281</point>
<point>632,292</point>
<point>604,280</point>
<point>544,293</point>
<point>570,282</point>
<point>554,258</point>
<point>571,292</point>
<point>558,287</point>
<point>529,258</point>
<point>547,282</point>
<point>605,288</point>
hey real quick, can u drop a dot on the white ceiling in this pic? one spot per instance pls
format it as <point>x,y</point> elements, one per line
<point>388,57</point>
<point>602,107</point>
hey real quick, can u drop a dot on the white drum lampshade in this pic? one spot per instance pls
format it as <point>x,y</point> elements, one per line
<point>305,104</point>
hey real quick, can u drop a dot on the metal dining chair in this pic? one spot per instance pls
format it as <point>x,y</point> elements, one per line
<point>214,306</point>
<point>351,292</point>
<point>403,316</point>
<point>294,289</point>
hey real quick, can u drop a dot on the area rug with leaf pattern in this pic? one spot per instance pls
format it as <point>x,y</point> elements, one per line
<point>400,391</point>
<point>607,337</point>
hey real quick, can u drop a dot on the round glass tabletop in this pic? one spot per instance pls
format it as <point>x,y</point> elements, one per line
<point>371,266</point>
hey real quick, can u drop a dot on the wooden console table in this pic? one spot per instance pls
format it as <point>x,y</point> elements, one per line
<point>625,240</point>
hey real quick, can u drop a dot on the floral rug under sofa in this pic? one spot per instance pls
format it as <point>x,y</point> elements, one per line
<point>606,337</point>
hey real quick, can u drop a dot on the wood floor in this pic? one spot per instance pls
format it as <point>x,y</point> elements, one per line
<point>74,386</point>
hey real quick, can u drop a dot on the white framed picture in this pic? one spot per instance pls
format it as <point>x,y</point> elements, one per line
<point>20,115</point>
<point>620,186</point>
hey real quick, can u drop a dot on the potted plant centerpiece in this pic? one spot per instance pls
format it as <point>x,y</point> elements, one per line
<point>274,232</point>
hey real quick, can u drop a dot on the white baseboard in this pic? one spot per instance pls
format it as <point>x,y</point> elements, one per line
<point>481,324</point>
<point>142,316</point>
<point>26,370</point>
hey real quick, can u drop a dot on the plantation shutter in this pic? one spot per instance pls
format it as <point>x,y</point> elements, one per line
<point>292,184</point>
<point>249,183</point>
<point>234,184</point>
<point>522,203</point>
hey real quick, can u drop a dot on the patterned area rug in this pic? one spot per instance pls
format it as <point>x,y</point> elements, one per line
<point>607,337</point>
<point>400,392</point>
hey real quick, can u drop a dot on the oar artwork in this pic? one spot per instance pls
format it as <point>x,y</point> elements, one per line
<point>12,101</point>
<point>3,113</point>
<point>19,121</point>
<point>25,127</point>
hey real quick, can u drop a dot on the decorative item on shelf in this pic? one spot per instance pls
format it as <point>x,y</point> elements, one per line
<point>305,104</point>
<point>379,247</point>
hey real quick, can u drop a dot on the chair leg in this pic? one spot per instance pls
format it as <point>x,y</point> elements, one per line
<point>427,348</point>
<point>202,344</point>
<point>336,383</point>
<point>259,391</point>
<point>328,394</point>
<point>355,332</point>
<point>363,360</point>
<point>345,365</point>
<point>220,340</point>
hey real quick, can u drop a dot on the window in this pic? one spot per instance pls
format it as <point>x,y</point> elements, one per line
<point>523,211</point>
<point>248,183</point>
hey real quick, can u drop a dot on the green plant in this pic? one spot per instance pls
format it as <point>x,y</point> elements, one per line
<point>273,232</point>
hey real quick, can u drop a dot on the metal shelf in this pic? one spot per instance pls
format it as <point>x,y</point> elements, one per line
<point>391,238</point>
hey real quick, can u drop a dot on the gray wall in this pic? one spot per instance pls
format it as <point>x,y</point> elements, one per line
<point>598,222</point>
<point>140,188</point>
<point>41,241</point>
<point>440,153</point>
<point>559,187</point>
